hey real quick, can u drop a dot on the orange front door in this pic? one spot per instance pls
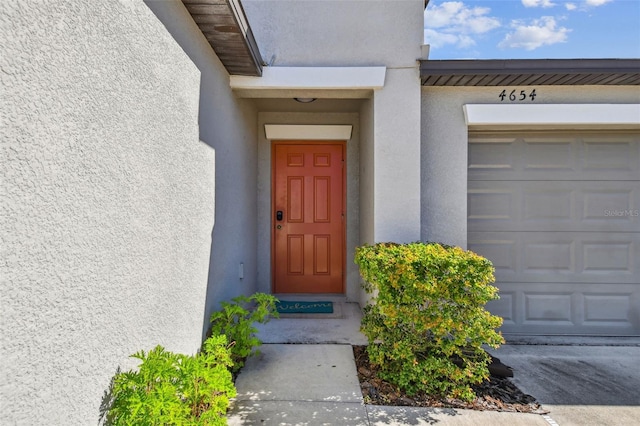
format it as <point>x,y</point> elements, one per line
<point>308,217</point>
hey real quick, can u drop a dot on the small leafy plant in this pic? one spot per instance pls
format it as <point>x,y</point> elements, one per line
<point>427,323</point>
<point>175,389</point>
<point>236,320</point>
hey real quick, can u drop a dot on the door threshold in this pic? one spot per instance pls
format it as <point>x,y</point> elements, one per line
<point>300,297</point>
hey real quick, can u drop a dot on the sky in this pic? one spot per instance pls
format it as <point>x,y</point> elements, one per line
<point>532,29</point>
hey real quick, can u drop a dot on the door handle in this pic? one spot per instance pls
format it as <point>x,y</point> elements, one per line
<point>279,215</point>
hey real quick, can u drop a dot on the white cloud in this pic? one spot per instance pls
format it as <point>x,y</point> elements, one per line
<point>442,16</point>
<point>540,32</point>
<point>466,41</point>
<point>438,39</point>
<point>582,5</point>
<point>585,5</point>
<point>596,2</point>
<point>455,16</point>
<point>455,23</point>
<point>538,3</point>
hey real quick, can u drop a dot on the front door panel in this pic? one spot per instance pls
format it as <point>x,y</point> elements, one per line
<point>308,217</point>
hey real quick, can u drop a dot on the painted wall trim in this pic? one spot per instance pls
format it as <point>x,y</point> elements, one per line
<point>582,115</point>
<point>312,78</point>
<point>308,132</point>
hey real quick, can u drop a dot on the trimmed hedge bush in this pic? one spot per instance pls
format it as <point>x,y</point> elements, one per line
<point>427,323</point>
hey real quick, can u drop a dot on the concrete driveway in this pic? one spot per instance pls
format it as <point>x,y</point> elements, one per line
<point>579,385</point>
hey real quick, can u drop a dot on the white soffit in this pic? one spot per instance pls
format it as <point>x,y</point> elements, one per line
<point>328,78</point>
<point>580,115</point>
<point>308,132</point>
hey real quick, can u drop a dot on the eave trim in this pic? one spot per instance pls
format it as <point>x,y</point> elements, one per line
<point>534,71</point>
<point>574,115</point>
<point>340,132</point>
<point>312,78</point>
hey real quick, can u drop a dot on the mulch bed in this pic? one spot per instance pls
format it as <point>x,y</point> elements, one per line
<point>497,394</point>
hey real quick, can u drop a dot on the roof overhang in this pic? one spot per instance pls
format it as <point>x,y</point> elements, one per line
<point>225,26</point>
<point>530,72</point>
<point>317,82</point>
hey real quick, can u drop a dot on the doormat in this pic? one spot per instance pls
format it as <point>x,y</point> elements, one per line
<point>296,307</point>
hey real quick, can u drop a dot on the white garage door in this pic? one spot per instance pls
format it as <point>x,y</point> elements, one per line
<point>558,214</point>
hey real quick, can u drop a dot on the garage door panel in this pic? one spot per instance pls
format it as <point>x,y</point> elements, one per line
<point>610,309</point>
<point>550,256</point>
<point>505,307</point>
<point>562,206</point>
<point>612,206</point>
<point>559,217</point>
<point>567,308</point>
<point>597,257</point>
<point>558,214</point>
<point>610,156</point>
<point>549,158</point>
<point>545,156</point>
<point>602,257</point>
<point>492,154</point>
<point>553,307</point>
<point>500,249</point>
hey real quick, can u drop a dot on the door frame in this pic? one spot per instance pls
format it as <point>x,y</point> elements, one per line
<point>343,237</point>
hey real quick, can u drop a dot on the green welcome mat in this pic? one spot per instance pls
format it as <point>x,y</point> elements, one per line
<point>295,307</point>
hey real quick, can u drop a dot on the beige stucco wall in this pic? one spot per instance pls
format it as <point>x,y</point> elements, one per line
<point>337,33</point>
<point>317,33</point>
<point>352,286</point>
<point>367,171</point>
<point>367,182</point>
<point>396,157</point>
<point>444,146</point>
<point>123,152</point>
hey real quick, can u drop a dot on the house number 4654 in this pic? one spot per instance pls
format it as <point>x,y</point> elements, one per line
<point>514,95</point>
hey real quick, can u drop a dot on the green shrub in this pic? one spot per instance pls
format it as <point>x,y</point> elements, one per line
<point>236,320</point>
<point>427,323</point>
<point>175,389</point>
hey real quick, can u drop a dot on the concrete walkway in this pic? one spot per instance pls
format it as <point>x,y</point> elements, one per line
<point>306,375</point>
<point>289,384</point>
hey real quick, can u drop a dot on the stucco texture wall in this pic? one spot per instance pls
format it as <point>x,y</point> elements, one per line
<point>337,33</point>
<point>444,147</point>
<point>115,117</point>
<point>356,33</point>
<point>396,148</point>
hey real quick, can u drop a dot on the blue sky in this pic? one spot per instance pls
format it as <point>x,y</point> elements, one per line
<point>532,29</point>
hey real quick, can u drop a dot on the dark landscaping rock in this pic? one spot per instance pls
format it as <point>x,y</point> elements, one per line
<point>497,393</point>
<point>498,369</point>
